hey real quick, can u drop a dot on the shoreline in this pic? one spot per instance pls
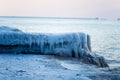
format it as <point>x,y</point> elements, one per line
<point>34,67</point>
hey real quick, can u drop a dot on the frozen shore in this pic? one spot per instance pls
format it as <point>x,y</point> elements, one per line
<point>76,45</point>
<point>17,66</point>
<point>45,67</point>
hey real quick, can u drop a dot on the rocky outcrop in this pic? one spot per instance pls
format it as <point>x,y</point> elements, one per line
<point>76,45</point>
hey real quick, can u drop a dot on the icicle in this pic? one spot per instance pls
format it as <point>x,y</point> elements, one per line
<point>62,42</point>
<point>85,46</point>
<point>41,44</point>
<point>30,41</point>
<point>89,42</point>
<point>50,46</point>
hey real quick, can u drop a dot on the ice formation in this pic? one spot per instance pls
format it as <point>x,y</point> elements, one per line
<point>76,45</point>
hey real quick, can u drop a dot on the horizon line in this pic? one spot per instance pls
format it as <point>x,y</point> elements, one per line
<point>97,18</point>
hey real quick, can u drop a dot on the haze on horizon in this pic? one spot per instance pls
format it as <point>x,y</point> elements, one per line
<point>61,8</point>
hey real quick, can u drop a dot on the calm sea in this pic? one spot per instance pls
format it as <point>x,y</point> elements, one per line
<point>105,34</point>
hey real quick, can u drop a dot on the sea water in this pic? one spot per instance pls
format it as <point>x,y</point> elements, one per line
<point>105,34</point>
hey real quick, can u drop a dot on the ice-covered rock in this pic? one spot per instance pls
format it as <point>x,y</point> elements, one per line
<point>76,45</point>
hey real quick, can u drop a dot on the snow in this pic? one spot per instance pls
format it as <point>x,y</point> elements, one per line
<point>45,67</point>
<point>34,67</point>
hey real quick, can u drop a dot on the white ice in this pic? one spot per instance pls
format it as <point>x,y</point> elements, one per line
<point>67,44</point>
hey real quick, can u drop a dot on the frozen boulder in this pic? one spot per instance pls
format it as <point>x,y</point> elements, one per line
<point>77,45</point>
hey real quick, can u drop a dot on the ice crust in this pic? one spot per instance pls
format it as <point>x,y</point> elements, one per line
<point>76,45</point>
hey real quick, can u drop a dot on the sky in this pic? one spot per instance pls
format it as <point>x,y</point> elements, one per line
<point>61,8</point>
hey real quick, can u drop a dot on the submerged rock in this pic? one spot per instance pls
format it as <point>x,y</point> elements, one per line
<point>76,45</point>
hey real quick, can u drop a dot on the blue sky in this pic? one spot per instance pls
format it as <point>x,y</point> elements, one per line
<point>61,8</point>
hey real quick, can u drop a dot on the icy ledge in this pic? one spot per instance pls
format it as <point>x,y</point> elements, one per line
<point>76,45</point>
